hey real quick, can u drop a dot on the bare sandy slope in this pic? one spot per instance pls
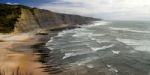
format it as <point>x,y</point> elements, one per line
<point>16,56</point>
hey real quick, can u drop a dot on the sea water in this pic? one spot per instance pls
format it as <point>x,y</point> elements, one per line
<point>103,48</point>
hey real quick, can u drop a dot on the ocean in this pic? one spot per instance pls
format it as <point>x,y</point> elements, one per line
<point>103,48</point>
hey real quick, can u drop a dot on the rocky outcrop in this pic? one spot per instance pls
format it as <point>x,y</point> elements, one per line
<point>33,18</point>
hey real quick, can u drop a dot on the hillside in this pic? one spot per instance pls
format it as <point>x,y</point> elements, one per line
<point>19,18</point>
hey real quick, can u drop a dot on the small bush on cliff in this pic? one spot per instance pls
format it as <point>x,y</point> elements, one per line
<point>8,17</point>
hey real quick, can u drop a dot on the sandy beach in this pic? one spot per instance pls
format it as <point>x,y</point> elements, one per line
<point>17,57</point>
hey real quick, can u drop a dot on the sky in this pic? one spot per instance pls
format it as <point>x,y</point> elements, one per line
<point>105,9</point>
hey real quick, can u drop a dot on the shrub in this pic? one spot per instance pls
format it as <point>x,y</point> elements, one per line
<point>8,17</point>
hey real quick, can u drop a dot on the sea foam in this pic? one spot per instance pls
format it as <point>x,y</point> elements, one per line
<point>67,55</point>
<point>97,23</point>
<point>101,48</point>
<point>129,29</point>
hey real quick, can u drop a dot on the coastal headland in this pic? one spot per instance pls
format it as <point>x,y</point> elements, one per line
<point>24,32</point>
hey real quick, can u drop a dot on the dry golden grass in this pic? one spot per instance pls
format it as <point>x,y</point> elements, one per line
<point>20,64</point>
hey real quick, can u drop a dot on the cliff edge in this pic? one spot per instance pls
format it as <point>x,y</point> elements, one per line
<point>18,18</point>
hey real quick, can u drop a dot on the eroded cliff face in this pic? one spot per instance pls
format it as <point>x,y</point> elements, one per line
<point>32,19</point>
<point>46,18</point>
<point>26,22</point>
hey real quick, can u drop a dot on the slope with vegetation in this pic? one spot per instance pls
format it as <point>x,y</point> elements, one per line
<point>19,18</point>
<point>8,17</point>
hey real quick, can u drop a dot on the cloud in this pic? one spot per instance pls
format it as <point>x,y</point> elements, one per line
<point>12,3</point>
<point>107,9</point>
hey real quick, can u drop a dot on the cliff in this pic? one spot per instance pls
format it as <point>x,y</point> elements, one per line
<point>24,19</point>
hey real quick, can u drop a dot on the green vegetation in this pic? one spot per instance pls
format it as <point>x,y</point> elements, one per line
<point>8,17</point>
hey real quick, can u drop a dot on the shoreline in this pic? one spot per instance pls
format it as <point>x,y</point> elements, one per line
<point>25,49</point>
